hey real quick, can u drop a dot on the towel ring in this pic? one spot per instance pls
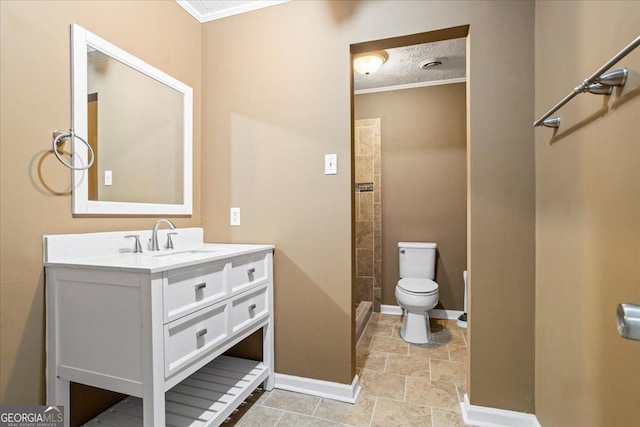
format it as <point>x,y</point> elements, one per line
<point>60,135</point>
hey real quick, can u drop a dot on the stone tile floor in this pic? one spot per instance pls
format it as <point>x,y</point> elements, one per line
<point>402,384</point>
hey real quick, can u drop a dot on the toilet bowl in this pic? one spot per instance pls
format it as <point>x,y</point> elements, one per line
<point>416,292</point>
<point>415,304</point>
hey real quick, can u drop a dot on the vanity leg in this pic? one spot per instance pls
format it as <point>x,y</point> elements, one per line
<point>58,394</point>
<point>152,351</point>
<point>153,408</point>
<point>267,355</point>
<point>267,332</point>
<point>58,389</point>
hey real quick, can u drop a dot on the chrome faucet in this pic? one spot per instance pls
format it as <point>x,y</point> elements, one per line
<point>154,235</point>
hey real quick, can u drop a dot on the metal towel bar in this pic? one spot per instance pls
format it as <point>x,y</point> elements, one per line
<point>594,78</point>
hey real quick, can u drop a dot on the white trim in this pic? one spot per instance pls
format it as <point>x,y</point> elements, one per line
<point>235,10</point>
<point>444,314</point>
<point>482,416</point>
<point>411,85</point>
<point>80,203</point>
<point>192,11</point>
<point>336,391</point>
<point>396,310</point>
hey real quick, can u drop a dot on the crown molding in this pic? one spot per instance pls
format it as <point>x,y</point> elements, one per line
<point>411,85</point>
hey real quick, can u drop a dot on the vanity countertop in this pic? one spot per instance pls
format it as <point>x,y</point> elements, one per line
<point>163,260</point>
<point>113,251</point>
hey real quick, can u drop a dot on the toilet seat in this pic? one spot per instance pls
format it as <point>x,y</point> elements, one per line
<point>416,286</point>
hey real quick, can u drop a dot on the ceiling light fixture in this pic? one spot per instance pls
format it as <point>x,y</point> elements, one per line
<point>369,63</point>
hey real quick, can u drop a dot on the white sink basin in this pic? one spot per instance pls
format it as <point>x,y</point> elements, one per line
<point>189,252</point>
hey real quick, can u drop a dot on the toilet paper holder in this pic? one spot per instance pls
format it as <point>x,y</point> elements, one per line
<point>629,320</point>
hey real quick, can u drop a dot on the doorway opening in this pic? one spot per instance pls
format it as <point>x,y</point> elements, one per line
<point>409,166</point>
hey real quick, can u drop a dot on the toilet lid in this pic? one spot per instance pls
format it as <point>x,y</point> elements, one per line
<point>418,286</point>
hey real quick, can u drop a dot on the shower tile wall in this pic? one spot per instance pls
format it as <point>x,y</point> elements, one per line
<point>368,212</point>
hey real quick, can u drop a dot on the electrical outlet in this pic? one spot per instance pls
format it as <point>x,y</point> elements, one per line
<point>235,216</point>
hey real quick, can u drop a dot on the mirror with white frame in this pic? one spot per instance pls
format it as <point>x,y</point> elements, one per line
<point>138,121</point>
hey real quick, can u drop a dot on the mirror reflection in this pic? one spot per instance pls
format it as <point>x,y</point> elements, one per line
<point>135,127</point>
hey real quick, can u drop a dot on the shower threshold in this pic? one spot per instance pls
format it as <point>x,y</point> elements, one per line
<point>363,313</point>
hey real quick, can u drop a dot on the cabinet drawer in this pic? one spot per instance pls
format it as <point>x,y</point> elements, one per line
<point>190,289</point>
<point>249,308</point>
<point>247,271</point>
<point>194,335</point>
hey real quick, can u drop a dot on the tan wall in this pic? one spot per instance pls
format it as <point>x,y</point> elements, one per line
<point>35,100</point>
<point>276,91</point>
<point>587,219</point>
<point>424,180</point>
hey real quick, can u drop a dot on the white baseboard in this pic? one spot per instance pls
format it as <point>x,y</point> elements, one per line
<point>482,416</point>
<point>434,314</point>
<point>391,309</point>
<point>336,391</point>
<point>444,314</point>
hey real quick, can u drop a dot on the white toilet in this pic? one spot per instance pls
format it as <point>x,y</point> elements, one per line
<point>416,291</point>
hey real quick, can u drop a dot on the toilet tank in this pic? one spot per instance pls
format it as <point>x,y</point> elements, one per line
<point>417,259</point>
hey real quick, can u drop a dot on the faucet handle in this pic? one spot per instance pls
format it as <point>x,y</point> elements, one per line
<point>169,244</point>
<point>137,247</point>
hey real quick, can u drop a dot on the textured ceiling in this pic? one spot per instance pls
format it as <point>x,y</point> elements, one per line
<point>402,67</point>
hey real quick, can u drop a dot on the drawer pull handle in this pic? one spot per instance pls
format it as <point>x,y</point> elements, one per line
<point>252,307</point>
<point>251,270</point>
<point>201,332</point>
<point>200,286</point>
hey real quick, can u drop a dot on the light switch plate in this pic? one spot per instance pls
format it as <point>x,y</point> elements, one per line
<point>235,216</point>
<point>330,164</point>
<point>108,178</point>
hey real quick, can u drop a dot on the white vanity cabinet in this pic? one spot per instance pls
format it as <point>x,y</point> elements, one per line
<point>155,328</point>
